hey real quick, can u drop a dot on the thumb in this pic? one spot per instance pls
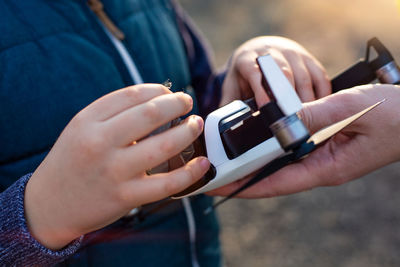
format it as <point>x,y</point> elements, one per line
<point>328,110</point>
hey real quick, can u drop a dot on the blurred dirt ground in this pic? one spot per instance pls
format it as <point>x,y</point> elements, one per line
<point>354,225</point>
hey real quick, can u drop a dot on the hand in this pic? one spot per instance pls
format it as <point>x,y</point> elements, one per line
<point>369,143</point>
<point>243,79</point>
<point>96,171</point>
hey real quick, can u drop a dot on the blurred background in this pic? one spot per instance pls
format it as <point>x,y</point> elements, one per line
<point>357,224</point>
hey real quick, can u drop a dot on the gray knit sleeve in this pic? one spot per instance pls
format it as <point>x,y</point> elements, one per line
<point>17,246</point>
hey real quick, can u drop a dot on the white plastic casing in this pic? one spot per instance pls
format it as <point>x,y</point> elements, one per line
<point>283,91</point>
<point>230,170</point>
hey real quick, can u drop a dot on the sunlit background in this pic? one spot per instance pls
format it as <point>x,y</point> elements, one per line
<point>357,224</point>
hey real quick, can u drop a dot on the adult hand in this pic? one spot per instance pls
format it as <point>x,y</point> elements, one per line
<point>243,79</point>
<point>367,144</point>
<point>96,171</point>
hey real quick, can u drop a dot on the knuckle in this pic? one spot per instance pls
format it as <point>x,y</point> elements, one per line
<point>91,145</point>
<point>324,74</point>
<point>346,99</point>
<point>132,92</point>
<point>112,170</point>
<point>253,71</point>
<point>171,186</point>
<point>163,89</point>
<point>79,121</point>
<point>168,147</point>
<point>186,175</point>
<point>287,72</point>
<point>263,49</point>
<point>123,195</point>
<point>95,141</point>
<point>88,146</point>
<point>319,80</point>
<point>289,53</point>
<point>305,82</point>
<point>240,53</point>
<point>325,77</point>
<point>152,112</point>
<point>190,173</point>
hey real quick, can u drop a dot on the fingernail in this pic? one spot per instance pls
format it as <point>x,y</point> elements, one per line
<point>199,122</point>
<point>189,97</point>
<point>205,163</point>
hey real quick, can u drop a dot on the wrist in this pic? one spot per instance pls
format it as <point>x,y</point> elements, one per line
<point>42,219</point>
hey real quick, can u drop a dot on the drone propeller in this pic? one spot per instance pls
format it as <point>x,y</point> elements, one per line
<point>326,133</point>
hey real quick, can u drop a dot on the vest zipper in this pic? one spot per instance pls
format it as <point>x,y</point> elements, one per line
<point>116,36</point>
<point>126,57</point>
<point>98,8</point>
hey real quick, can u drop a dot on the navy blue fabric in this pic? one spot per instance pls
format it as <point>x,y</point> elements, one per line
<point>17,247</point>
<point>161,240</point>
<point>55,59</point>
<point>147,24</point>
<point>49,72</point>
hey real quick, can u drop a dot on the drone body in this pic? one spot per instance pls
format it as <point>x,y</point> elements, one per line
<point>241,140</point>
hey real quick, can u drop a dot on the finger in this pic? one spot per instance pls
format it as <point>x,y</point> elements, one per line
<point>316,170</point>
<point>159,186</point>
<point>292,179</point>
<point>138,121</point>
<point>280,183</point>
<point>245,89</point>
<point>331,109</point>
<point>303,82</point>
<point>230,89</point>
<point>154,150</point>
<point>120,100</point>
<point>320,80</point>
<point>251,73</point>
<point>260,93</point>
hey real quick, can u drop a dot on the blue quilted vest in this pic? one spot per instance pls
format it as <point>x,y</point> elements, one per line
<point>55,59</point>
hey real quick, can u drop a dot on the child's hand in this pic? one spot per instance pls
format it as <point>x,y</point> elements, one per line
<point>96,171</point>
<point>304,72</point>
